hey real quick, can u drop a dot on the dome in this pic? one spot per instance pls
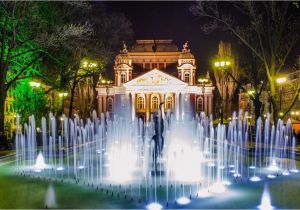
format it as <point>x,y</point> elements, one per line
<point>123,58</point>
<point>186,55</point>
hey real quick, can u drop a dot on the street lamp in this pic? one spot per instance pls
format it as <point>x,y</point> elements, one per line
<point>280,81</point>
<point>203,81</point>
<point>62,95</point>
<point>222,65</point>
<point>34,85</point>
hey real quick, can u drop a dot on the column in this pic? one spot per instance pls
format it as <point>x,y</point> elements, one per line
<point>148,103</point>
<point>99,104</point>
<point>104,104</point>
<point>205,104</point>
<point>133,106</point>
<point>162,100</point>
<point>119,78</point>
<point>177,104</point>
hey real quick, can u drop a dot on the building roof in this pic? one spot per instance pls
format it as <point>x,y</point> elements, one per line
<point>148,45</point>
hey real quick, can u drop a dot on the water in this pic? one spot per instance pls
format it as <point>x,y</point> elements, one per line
<point>116,153</point>
<point>50,200</point>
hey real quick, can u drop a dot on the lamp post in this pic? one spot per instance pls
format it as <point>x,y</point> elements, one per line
<point>34,86</point>
<point>222,65</point>
<point>62,95</point>
<point>280,81</point>
<point>203,81</point>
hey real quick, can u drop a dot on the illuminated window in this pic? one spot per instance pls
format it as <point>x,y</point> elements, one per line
<point>123,78</point>
<point>110,104</point>
<point>140,103</point>
<point>169,102</point>
<point>199,104</point>
<point>187,77</point>
<point>154,102</point>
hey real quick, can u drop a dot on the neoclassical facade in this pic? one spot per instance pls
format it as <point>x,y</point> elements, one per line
<point>155,72</point>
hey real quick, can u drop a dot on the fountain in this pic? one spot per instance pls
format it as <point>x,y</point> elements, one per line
<point>50,201</point>
<point>192,158</point>
<point>265,199</point>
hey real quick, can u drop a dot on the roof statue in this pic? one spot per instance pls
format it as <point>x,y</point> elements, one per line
<point>186,47</point>
<point>124,50</point>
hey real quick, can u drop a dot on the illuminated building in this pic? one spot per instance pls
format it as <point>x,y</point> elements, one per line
<point>152,72</point>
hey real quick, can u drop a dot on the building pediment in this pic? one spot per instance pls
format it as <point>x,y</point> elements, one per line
<point>155,77</point>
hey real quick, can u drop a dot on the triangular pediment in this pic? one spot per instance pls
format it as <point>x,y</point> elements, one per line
<point>155,77</point>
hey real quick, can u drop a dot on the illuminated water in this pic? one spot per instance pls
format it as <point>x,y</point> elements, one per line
<point>117,153</point>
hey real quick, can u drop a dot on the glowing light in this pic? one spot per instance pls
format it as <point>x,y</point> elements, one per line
<point>252,167</point>
<point>231,166</point>
<point>281,80</point>
<point>273,167</point>
<point>236,175</point>
<point>64,94</point>
<point>294,170</point>
<point>217,64</point>
<point>218,188</point>
<point>271,176</point>
<point>285,173</point>
<point>60,169</point>
<point>255,179</point>
<point>202,80</point>
<point>222,63</point>
<point>251,92</point>
<point>265,200</point>
<point>34,84</point>
<point>204,193</point>
<point>183,200</point>
<point>40,163</point>
<point>154,206</point>
<point>80,167</point>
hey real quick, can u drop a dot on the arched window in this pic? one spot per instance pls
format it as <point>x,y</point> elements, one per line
<point>199,104</point>
<point>169,102</point>
<point>140,103</point>
<point>187,77</point>
<point>154,102</point>
<point>110,104</point>
<point>123,78</point>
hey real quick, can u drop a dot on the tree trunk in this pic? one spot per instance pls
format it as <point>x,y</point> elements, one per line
<point>72,98</point>
<point>2,110</point>
<point>257,107</point>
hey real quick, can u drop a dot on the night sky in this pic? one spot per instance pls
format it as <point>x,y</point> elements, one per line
<point>171,20</point>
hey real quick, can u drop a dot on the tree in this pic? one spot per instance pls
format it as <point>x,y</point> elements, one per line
<point>225,84</point>
<point>28,31</point>
<point>269,29</point>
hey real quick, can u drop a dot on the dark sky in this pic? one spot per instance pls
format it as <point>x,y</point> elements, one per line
<point>170,20</point>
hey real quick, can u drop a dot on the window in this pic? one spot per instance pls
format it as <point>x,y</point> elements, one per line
<point>123,78</point>
<point>169,102</point>
<point>161,66</point>
<point>154,102</point>
<point>110,105</point>
<point>187,77</point>
<point>199,104</point>
<point>140,103</point>
<point>147,66</point>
